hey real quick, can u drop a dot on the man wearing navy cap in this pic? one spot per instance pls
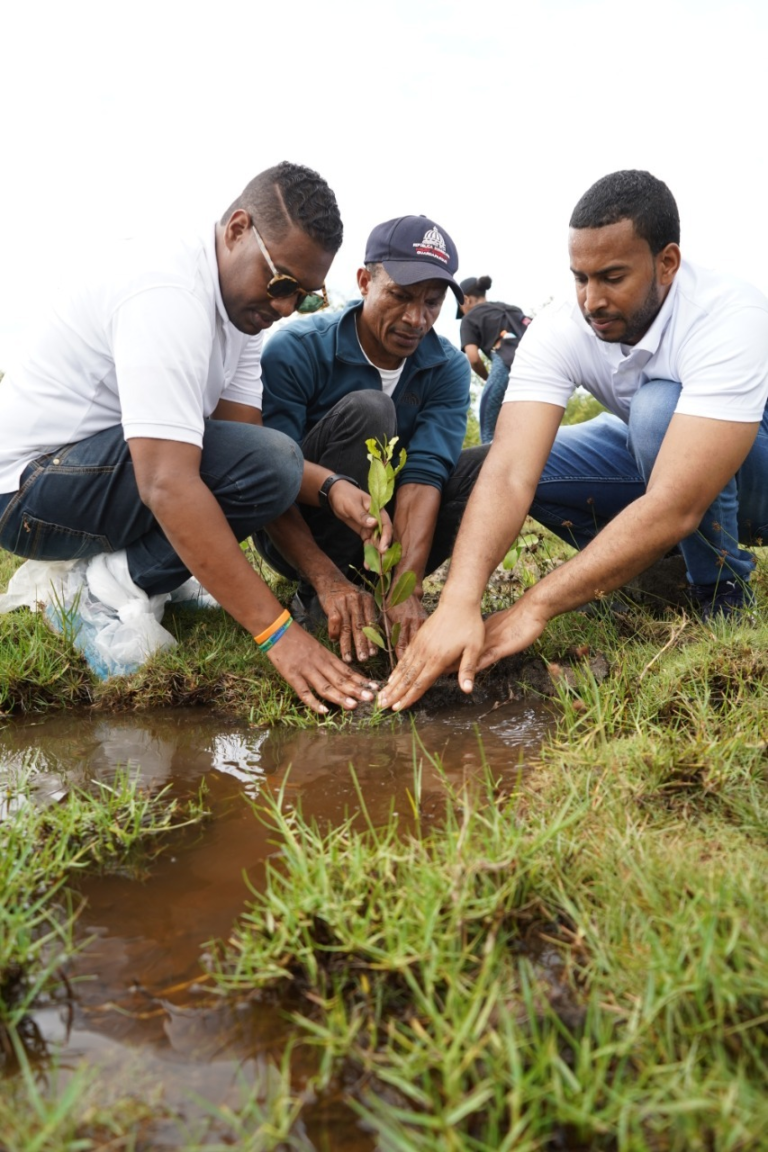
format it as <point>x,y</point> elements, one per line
<point>376,370</point>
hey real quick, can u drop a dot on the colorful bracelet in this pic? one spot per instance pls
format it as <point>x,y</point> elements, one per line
<point>282,619</point>
<point>273,639</point>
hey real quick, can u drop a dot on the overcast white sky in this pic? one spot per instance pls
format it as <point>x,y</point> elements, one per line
<point>491,117</point>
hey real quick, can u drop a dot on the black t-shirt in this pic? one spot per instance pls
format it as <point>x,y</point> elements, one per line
<point>485,322</point>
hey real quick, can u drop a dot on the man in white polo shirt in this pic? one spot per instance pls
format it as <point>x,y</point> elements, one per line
<point>131,425</point>
<point>679,357</point>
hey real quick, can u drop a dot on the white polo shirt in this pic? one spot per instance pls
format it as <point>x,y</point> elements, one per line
<point>710,336</point>
<point>141,339</point>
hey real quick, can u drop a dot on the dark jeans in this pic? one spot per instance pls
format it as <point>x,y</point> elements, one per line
<point>82,499</point>
<point>337,442</point>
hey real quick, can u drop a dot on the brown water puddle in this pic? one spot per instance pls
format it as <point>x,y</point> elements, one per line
<point>139,1012</point>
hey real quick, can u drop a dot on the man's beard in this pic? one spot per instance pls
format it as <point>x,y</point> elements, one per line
<point>638,323</point>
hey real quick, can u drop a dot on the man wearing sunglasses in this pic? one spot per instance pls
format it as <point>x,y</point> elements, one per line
<point>375,370</point>
<point>131,426</point>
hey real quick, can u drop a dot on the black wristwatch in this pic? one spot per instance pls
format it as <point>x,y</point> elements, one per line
<point>327,484</point>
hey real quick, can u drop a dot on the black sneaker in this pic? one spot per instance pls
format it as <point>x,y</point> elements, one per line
<point>725,598</point>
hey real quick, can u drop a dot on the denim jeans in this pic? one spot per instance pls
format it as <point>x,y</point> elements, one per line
<point>82,499</point>
<point>597,468</point>
<point>492,397</point>
<point>337,442</point>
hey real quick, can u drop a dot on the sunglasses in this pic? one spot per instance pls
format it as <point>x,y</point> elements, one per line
<point>282,286</point>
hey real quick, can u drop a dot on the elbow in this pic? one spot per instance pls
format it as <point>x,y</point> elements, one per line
<point>156,493</point>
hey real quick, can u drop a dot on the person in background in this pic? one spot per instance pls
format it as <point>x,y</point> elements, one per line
<point>495,329</point>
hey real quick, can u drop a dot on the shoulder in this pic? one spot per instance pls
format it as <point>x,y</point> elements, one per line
<point>437,356</point>
<point>710,306</point>
<point>148,261</point>
<point>309,337</point>
<point>713,293</point>
<point>307,333</point>
<point>449,351</point>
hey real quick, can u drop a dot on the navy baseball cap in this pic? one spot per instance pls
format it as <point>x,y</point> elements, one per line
<point>412,249</point>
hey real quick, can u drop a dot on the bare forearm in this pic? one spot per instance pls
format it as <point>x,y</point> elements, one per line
<point>200,535</point>
<point>415,518</point>
<point>492,521</point>
<point>475,361</point>
<point>293,539</point>
<point>626,546</point>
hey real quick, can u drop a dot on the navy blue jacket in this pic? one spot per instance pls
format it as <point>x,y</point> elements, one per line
<point>310,365</point>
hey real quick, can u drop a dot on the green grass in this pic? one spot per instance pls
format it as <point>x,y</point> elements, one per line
<point>111,827</point>
<point>578,960</point>
<point>633,859</point>
<point>586,959</point>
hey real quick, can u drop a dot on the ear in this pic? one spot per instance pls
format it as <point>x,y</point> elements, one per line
<point>668,264</point>
<point>363,280</point>
<point>238,226</point>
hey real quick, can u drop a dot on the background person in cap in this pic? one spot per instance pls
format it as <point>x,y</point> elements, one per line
<point>495,329</point>
<point>377,370</point>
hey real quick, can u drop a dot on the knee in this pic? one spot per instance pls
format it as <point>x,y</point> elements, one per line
<point>650,412</point>
<point>255,462</point>
<point>285,461</point>
<point>373,412</point>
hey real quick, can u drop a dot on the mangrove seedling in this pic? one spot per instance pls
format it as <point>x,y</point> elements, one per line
<point>381,486</point>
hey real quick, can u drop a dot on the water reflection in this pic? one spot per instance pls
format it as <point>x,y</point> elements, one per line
<point>139,985</point>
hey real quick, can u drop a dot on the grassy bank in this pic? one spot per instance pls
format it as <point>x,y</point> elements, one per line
<point>577,962</point>
<point>215,663</point>
<point>42,847</point>
<point>581,964</point>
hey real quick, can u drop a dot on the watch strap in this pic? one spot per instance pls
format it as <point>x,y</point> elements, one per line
<point>329,482</point>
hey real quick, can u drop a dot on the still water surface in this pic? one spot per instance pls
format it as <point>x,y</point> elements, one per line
<point>140,1012</point>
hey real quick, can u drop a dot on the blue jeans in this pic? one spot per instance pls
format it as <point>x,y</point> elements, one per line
<point>492,396</point>
<point>82,499</point>
<point>597,468</point>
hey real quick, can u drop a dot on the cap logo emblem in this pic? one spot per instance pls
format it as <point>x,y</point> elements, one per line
<point>432,245</point>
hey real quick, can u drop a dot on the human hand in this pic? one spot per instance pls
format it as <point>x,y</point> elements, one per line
<point>349,609</point>
<point>313,672</point>
<point>447,638</point>
<point>410,615</point>
<point>352,506</point>
<point>511,631</point>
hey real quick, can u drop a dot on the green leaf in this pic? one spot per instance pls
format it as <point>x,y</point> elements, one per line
<point>377,485</point>
<point>372,558</point>
<point>373,449</point>
<point>395,635</point>
<point>391,556</point>
<point>399,466</point>
<point>373,635</point>
<point>404,586</point>
<point>389,447</point>
<point>511,558</point>
<point>390,486</point>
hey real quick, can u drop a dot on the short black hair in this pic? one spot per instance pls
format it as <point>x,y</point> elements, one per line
<point>292,194</point>
<point>631,195</point>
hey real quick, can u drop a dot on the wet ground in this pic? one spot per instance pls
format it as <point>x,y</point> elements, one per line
<point>139,1009</point>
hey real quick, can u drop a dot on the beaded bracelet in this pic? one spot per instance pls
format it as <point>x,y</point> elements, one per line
<point>277,625</point>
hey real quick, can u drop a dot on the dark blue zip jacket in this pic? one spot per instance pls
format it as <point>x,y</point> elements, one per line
<point>310,365</point>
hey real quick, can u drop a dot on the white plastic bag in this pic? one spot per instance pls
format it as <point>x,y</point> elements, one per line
<point>112,622</point>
